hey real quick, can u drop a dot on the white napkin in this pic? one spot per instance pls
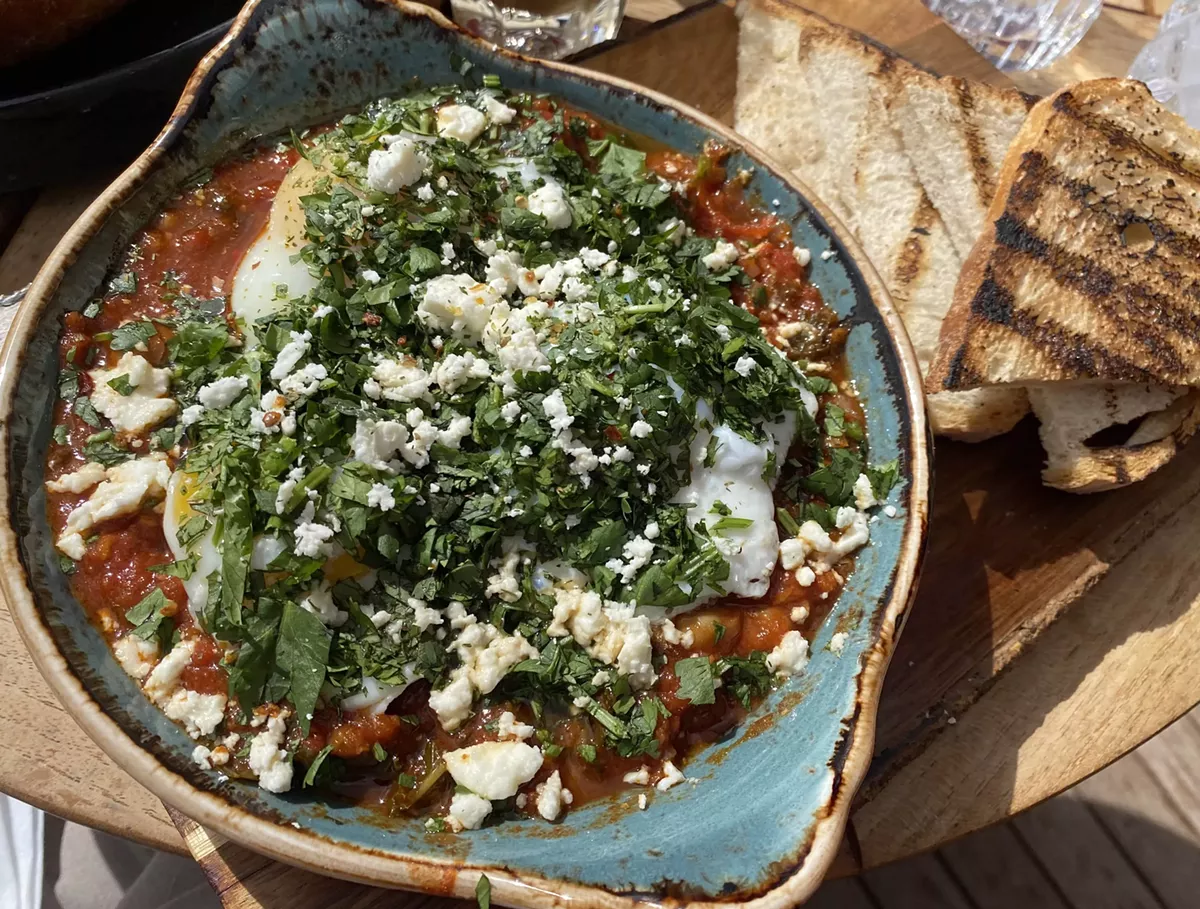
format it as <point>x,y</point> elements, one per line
<point>21,848</point>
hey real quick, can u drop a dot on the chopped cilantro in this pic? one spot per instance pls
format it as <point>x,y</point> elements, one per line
<point>314,768</point>
<point>121,385</point>
<point>84,409</point>
<point>696,681</point>
<point>131,334</point>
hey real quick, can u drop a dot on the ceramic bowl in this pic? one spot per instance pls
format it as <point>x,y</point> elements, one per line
<point>767,810</point>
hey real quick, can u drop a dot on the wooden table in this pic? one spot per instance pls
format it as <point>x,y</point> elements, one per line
<point>1051,635</point>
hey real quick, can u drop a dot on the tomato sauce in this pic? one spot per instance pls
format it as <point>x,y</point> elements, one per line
<point>194,246</point>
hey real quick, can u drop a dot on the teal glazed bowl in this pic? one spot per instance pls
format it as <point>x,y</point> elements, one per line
<point>766,813</point>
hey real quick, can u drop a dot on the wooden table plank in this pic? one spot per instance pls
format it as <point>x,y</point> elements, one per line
<point>1084,862</point>
<point>919,883</point>
<point>1129,801</point>
<point>1089,689</point>
<point>1174,761</point>
<point>997,871</point>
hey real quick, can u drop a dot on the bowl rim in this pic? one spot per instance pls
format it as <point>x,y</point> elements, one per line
<point>450,877</point>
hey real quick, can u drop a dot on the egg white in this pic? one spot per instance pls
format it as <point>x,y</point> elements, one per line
<point>735,479</point>
<point>176,511</point>
<point>268,262</point>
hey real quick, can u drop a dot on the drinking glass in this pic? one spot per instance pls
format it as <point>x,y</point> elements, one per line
<point>541,28</point>
<point>1170,64</point>
<point>1019,35</point>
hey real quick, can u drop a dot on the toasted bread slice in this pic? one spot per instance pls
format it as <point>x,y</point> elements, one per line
<point>847,149</point>
<point>1073,413</point>
<point>956,133</point>
<point>1090,267</point>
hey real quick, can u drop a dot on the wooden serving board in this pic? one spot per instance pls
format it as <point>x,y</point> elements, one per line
<point>968,733</point>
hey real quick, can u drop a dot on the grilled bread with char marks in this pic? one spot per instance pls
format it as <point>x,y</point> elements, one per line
<point>1090,269</point>
<point>827,102</point>
<point>1087,282</point>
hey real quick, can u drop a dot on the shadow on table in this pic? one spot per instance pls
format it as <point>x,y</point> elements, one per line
<point>1102,855</point>
<point>1007,557</point>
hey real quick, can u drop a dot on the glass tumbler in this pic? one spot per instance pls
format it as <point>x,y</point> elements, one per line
<point>1018,35</point>
<point>551,29</point>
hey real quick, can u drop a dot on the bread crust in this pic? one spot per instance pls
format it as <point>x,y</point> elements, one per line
<point>1055,289</point>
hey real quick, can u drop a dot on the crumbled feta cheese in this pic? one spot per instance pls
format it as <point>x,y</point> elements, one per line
<point>550,202</point>
<point>399,165</point>
<point>864,495</point>
<point>320,603</point>
<point>790,656</point>
<point>801,255</point>
<point>402,380</point>
<point>457,121</point>
<point>125,487</point>
<point>453,435</point>
<point>268,758</point>
<point>486,655</point>
<point>805,576</point>
<point>455,371</point>
<point>652,531</point>
<point>504,583</point>
<point>222,392</point>
<point>837,643</point>
<point>522,354</point>
<point>199,713</point>
<point>136,655</point>
<point>202,757</point>
<point>380,496</point>
<point>460,305</point>
<point>799,615</point>
<point>639,777</point>
<point>669,632</point>
<point>312,540</point>
<point>304,382</point>
<point>642,801</point>
<point>497,111</point>
<point>290,356</point>
<point>609,631</point>
<point>889,510</point>
<point>814,537</point>
<point>555,410</point>
<point>722,257</point>
<point>494,770</point>
<point>146,406</point>
<point>791,553</point>
<point>622,453</point>
<point>672,776</point>
<point>635,555</point>
<point>191,414</point>
<point>551,796</point>
<point>594,258</point>
<point>507,727</point>
<point>467,812</point>
<point>744,366</point>
<point>165,676</point>
<point>80,480</point>
<point>510,411</point>
<point>425,192</point>
<point>640,429</point>
<point>423,616</point>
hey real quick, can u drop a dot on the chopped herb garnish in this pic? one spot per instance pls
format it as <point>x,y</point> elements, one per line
<point>131,334</point>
